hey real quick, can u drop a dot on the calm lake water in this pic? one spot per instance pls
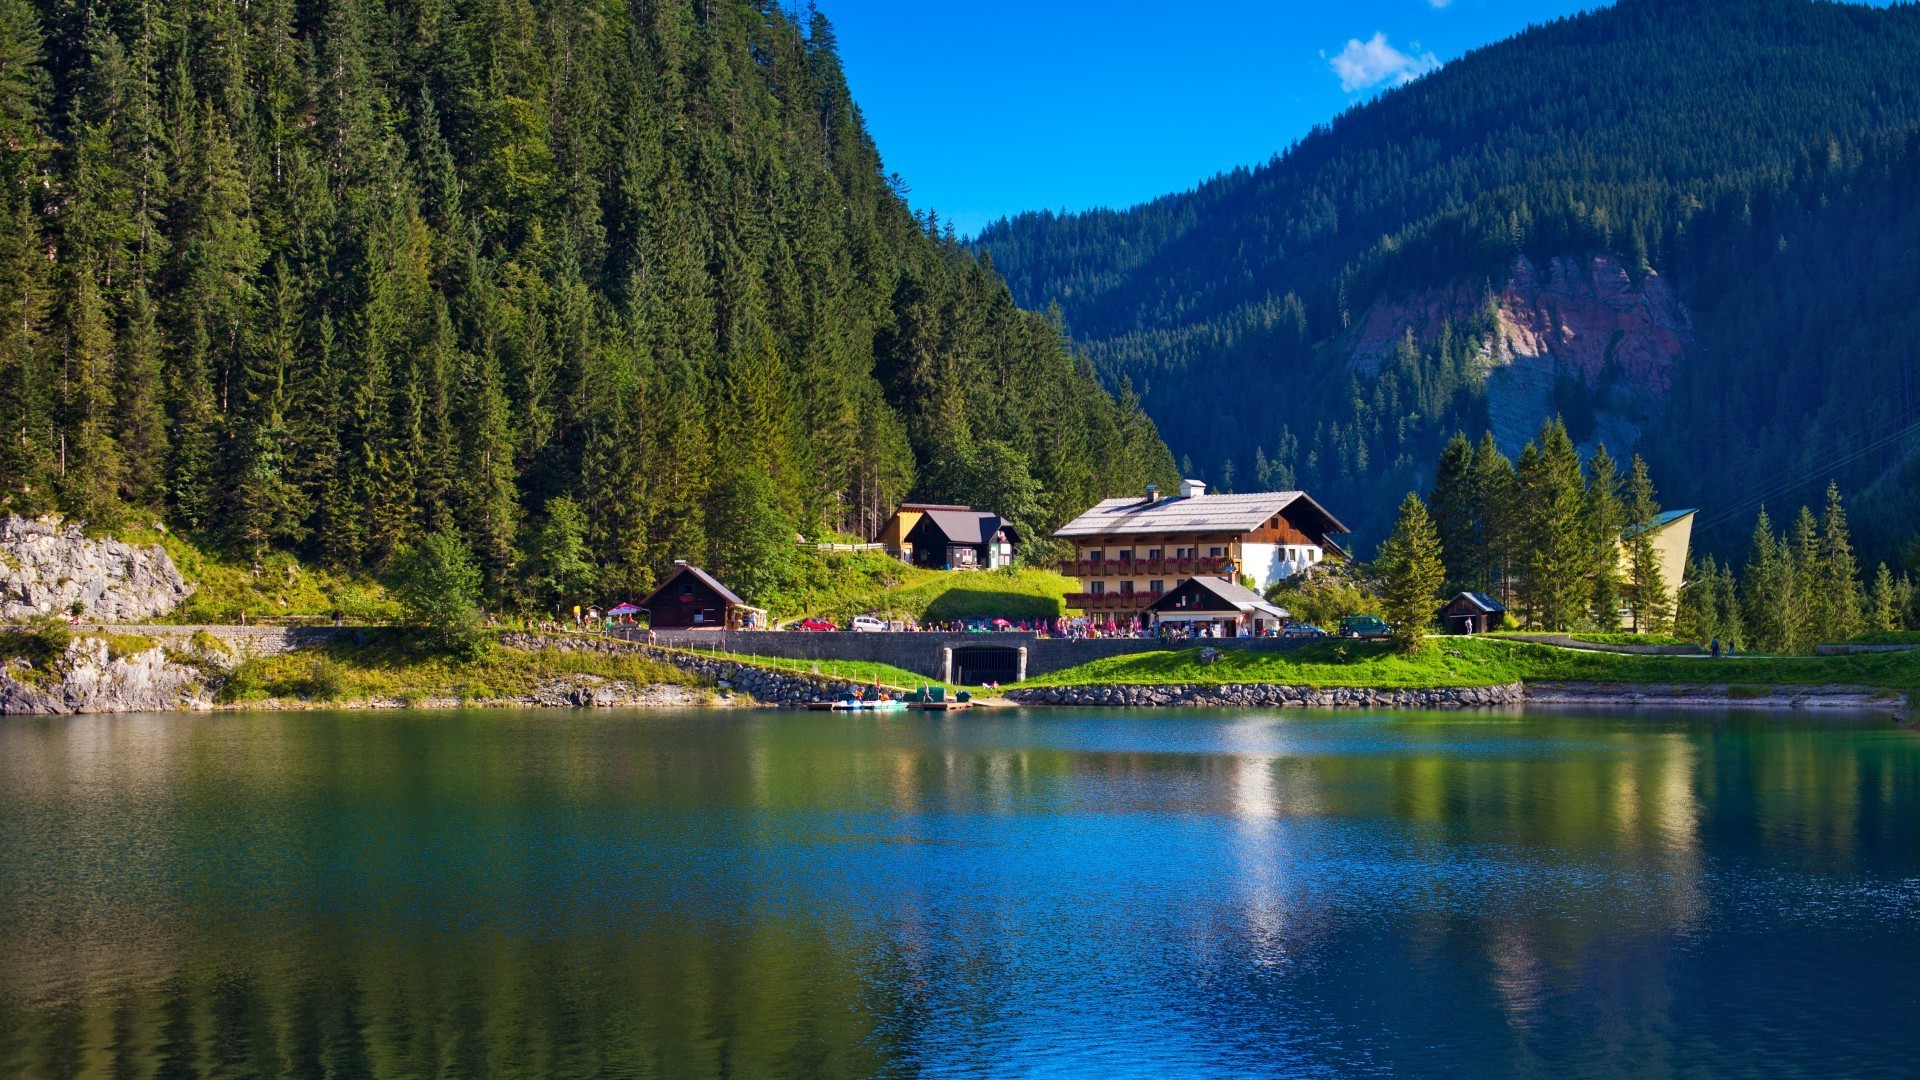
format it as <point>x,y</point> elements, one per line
<point>762,894</point>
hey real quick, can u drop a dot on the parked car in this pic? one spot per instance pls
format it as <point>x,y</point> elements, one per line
<point>1302,630</point>
<point>1365,628</point>
<point>821,625</point>
<point>867,624</point>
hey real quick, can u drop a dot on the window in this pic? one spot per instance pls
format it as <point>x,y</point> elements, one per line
<point>1098,588</point>
<point>1126,587</point>
<point>1216,552</point>
<point>1156,586</point>
<point>1126,554</point>
<point>1153,554</point>
<point>1096,555</point>
<point>1183,553</point>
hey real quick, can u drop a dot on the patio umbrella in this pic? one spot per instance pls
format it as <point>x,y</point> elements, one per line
<point>625,609</point>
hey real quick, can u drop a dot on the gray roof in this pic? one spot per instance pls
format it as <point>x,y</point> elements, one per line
<point>1200,513</point>
<point>688,568</point>
<point>964,526</point>
<point>1231,593</point>
<point>1482,601</point>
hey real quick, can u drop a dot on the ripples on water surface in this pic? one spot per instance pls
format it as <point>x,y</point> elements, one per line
<point>1002,894</point>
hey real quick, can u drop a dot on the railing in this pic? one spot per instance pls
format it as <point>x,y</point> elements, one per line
<point>1204,564</point>
<point>1113,601</point>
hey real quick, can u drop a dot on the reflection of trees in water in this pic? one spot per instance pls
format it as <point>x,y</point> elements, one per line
<point>467,895</point>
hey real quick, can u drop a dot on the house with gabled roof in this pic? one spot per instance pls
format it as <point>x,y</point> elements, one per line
<point>1218,607</point>
<point>1130,551</point>
<point>690,599</point>
<point>945,537</point>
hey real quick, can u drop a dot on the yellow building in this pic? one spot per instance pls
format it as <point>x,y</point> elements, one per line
<point>1672,533</point>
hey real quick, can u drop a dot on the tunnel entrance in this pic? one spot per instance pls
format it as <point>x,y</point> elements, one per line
<point>976,665</point>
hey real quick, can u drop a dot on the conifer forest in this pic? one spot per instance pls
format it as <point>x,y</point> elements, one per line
<point>329,277</point>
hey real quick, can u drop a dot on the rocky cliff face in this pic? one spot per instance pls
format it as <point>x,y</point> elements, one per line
<point>1584,321</point>
<point>90,679</point>
<point>45,568</point>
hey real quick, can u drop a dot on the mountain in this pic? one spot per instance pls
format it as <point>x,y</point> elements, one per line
<point>622,278</point>
<point>1686,226</point>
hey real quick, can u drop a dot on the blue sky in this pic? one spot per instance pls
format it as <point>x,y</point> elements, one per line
<point>990,107</point>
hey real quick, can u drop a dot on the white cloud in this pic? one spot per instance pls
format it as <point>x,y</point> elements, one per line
<point>1365,64</point>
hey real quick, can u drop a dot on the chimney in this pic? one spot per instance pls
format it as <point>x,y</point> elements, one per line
<point>1192,489</point>
<point>679,562</point>
<point>1153,494</point>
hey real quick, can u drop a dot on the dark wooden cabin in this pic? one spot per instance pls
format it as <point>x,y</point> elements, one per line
<point>691,599</point>
<point>1473,613</point>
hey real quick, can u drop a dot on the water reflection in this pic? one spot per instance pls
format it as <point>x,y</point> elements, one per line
<point>783,894</point>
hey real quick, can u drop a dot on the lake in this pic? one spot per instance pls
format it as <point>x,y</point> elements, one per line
<point>1048,894</point>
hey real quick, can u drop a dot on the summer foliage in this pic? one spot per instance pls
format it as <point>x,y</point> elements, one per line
<point>585,286</point>
<point>1757,154</point>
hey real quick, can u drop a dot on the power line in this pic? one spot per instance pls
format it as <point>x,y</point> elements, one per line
<point>1828,465</point>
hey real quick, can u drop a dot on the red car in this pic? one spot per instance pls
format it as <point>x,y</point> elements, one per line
<point>813,624</point>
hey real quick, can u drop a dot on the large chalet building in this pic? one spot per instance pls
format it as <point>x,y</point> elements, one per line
<point>1129,552</point>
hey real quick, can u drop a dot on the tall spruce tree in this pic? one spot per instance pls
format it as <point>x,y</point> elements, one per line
<point>1556,553</point>
<point>1648,594</point>
<point>1607,518</point>
<point>1838,576</point>
<point>1412,574</point>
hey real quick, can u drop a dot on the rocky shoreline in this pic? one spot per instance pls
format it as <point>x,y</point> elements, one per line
<point>1624,695</point>
<point>177,676</point>
<point>1270,695</point>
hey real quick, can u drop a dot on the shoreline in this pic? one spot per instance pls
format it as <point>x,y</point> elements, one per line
<point>1515,694</point>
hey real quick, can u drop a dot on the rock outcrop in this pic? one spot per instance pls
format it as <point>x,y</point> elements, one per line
<point>1584,318</point>
<point>90,679</point>
<point>46,568</point>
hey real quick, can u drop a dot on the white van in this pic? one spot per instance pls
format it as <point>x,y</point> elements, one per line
<point>867,624</point>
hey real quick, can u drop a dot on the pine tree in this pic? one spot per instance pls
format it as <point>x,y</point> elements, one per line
<point>1767,599</point>
<point>1553,534</point>
<point>1496,488</point>
<point>1412,574</point>
<point>1606,520</point>
<point>1806,617</point>
<point>1697,616</point>
<point>563,569</point>
<point>1885,614</point>
<point>1838,577</point>
<point>89,459</point>
<point>1454,512</point>
<point>1647,594</point>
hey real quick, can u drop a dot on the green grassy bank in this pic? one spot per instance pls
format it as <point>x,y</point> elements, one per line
<point>839,586</point>
<point>397,666</point>
<point>1481,661</point>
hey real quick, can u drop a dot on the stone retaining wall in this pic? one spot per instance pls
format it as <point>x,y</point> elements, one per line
<point>1269,695</point>
<point>763,684</point>
<point>925,653</point>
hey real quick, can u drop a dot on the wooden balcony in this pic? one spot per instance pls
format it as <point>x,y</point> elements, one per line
<point>1162,568</point>
<point>1113,601</point>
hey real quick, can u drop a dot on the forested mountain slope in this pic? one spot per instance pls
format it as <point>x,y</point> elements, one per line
<point>1678,223</point>
<point>333,274</point>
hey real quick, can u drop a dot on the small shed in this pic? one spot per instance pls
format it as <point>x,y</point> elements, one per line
<point>691,599</point>
<point>1473,613</point>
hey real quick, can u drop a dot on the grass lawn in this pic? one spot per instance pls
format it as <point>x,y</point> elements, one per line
<point>841,585</point>
<point>396,666</point>
<point>226,587</point>
<point>1483,661</point>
